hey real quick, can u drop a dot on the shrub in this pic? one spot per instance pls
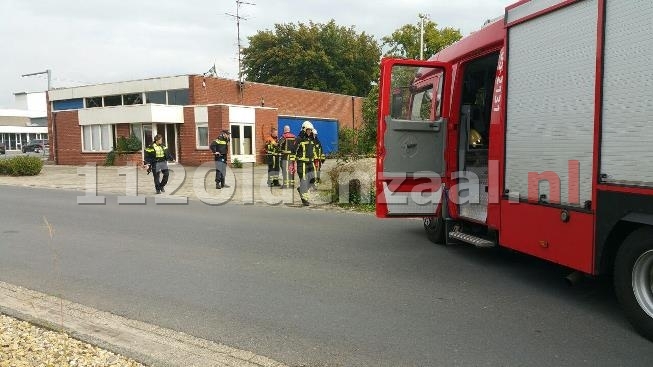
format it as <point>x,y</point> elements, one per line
<point>357,183</point>
<point>123,145</point>
<point>355,143</point>
<point>128,145</point>
<point>236,163</point>
<point>21,166</point>
<point>111,158</point>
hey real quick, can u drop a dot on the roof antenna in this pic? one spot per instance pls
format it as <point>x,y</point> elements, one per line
<point>238,17</point>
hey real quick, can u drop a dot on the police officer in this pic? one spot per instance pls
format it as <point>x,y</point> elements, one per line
<point>156,158</point>
<point>287,145</point>
<point>305,156</point>
<point>220,147</point>
<point>272,158</point>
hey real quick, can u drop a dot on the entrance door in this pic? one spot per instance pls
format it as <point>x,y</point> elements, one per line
<point>243,146</point>
<point>412,133</point>
<point>146,133</point>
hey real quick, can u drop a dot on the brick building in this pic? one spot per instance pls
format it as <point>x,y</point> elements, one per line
<point>189,111</point>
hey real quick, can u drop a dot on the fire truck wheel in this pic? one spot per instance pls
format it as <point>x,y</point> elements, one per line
<point>633,280</point>
<point>434,227</point>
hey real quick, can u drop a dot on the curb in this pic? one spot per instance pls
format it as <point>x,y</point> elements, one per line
<point>145,343</point>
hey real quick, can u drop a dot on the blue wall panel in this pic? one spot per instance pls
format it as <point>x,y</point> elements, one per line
<point>68,104</point>
<point>327,130</point>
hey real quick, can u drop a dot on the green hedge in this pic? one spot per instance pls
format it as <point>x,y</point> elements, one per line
<point>21,165</point>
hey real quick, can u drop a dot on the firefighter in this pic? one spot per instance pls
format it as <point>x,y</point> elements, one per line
<point>320,157</point>
<point>272,158</point>
<point>156,161</point>
<point>220,147</point>
<point>286,146</point>
<point>305,156</point>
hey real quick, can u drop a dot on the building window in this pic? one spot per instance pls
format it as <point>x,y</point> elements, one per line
<point>129,99</point>
<point>97,138</point>
<point>93,102</point>
<point>68,104</point>
<point>158,97</point>
<point>202,134</point>
<point>113,101</point>
<point>179,97</point>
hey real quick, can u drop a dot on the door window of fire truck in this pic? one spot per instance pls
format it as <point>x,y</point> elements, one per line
<point>416,93</point>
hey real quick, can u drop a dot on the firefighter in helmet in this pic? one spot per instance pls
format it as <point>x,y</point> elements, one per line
<point>305,156</point>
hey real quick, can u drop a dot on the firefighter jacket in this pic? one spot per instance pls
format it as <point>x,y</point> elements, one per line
<point>157,153</point>
<point>302,135</point>
<point>319,151</point>
<point>271,149</point>
<point>287,145</point>
<point>221,146</point>
<point>306,150</point>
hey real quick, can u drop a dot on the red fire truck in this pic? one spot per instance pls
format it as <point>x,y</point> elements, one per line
<point>534,133</point>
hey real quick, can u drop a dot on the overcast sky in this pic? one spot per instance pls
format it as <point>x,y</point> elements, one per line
<point>92,41</point>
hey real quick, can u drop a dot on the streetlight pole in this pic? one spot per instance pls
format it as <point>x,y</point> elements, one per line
<point>421,37</point>
<point>47,71</point>
<point>53,146</point>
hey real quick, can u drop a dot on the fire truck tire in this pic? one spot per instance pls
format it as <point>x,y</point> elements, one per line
<point>633,280</point>
<point>434,227</point>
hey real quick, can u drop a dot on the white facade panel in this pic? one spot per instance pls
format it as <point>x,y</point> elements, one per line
<point>550,104</point>
<point>529,8</point>
<point>132,114</point>
<point>627,118</point>
<point>245,115</point>
<point>131,86</point>
<point>35,101</point>
<point>201,114</point>
<point>167,114</point>
<point>24,129</point>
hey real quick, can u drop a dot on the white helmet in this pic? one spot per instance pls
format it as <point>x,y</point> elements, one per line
<point>315,131</point>
<point>307,125</point>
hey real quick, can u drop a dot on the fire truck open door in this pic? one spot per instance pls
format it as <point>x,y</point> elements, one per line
<point>411,137</point>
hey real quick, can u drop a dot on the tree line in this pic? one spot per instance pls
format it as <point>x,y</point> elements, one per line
<point>337,59</point>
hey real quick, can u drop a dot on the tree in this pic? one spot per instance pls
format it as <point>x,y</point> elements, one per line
<point>322,57</point>
<point>404,42</point>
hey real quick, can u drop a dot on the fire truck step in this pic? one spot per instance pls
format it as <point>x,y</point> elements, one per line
<point>468,238</point>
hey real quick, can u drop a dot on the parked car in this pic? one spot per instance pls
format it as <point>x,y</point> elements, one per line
<point>2,148</point>
<point>35,145</point>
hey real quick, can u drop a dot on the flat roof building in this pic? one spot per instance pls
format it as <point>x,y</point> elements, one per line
<point>189,111</point>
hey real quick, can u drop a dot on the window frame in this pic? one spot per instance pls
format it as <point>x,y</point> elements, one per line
<point>85,145</point>
<point>201,125</point>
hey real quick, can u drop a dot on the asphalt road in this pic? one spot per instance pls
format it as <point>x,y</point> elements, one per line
<point>311,287</point>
